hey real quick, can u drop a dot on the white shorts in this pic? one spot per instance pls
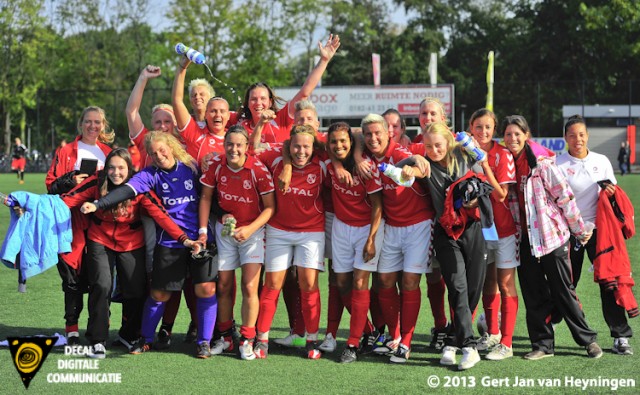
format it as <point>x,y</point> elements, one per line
<point>232,254</point>
<point>304,247</point>
<point>407,248</point>
<point>506,256</point>
<point>328,225</point>
<point>348,243</point>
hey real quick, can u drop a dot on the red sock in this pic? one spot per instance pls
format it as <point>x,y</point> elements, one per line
<point>435,293</point>
<point>409,315</point>
<point>171,308</point>
<point>71,328</point>
<point>509,314</point>
<point>359,309</point>
<point>376,311</point>
<point>268,305</point>
<point>346,300</point>
<point>311,310</point>
<point>225,326</point>
<point>190,298</point>
<point>390,306</point>
<point>491,305</point>
<point>248,332</point>
<point>291,296</point>
<point>335,311</point>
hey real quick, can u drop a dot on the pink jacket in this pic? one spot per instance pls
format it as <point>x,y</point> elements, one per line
<point>551,209</point>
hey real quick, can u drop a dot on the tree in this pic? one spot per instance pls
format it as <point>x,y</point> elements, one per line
<point>23,37</point>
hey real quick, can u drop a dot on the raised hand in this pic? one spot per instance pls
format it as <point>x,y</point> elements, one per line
<point>330,48</point>
<point>151,71</point>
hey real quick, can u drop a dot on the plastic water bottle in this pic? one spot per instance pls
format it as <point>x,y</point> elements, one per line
<point>7,200</point>
<point>395,173</point>
<point>467,143</point>
<point>192,54</point>
<point>229,226</point>
<point>588,228</point>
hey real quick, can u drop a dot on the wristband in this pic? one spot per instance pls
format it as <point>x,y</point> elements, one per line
<point>202,231</point>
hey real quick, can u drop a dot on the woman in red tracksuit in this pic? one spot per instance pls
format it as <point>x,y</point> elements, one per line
<point>116,237</point>
<point>64,175</point>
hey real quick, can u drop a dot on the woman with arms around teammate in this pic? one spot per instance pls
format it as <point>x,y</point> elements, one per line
<point>357,235</point>
<point>115,238</point>
<point>499,293</point>
<point>174,178</point>
<point>585,171</point>
<point>244,189</point>
<point>295,233</point>
<point>462,255</point>
<point>548,209</point>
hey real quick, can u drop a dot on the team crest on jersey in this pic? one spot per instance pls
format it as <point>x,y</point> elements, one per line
<point>356,181</point>
<point>311,178</point>
<point>212,142</point>
<point>223,179</point>
<point>188,185</point>
<point>246,184</point>
<point>165,186</point>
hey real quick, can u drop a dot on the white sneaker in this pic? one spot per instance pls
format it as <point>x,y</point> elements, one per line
<point>98,351</point>
<point>448,355</point>
<point>219,346</point>
<point>292,340</point>
<point>22,288</point>
<point>470,358</point>
<point>621,346</point>
<point>488,341</point>
<point>329,344</point>
<point>500,352</point>
<point>246,350</point>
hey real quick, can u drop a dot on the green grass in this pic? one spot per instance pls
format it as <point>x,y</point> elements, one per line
<point>40,311</point>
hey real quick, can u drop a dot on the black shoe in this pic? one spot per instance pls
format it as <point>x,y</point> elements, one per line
<point>73,339</point>
<point>141,346</point>
<point>192,333</point>
<point>438,337</point>
<point>122,342</point>
<point>349,355</point>
<point>367,342</point>
<point>235,335</point>
<point>164,340</point>
<point>203,350</point>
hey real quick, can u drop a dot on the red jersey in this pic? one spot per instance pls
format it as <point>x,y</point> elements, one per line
<point>302,208</point>
<point>504,169</point>
<point>275,131</point>
<point>351,203</point>
<point>418,138</point>
<point>403,206</point>
<point>200,142</point>
<point>417,148</point>
<point>239,191</point>
<point>134,152</point>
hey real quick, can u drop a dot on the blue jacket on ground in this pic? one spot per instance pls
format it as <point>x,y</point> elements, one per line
<point>39,235</point>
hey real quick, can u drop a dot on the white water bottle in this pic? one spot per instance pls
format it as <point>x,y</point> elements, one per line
<point>192,54</point>
<point>395,173</point>
<point>467,143</point>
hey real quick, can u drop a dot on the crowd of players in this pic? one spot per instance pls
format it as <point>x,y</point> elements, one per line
<point>262,190</point>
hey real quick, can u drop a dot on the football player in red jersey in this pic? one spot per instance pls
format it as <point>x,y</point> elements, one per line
<point>296,230</point>
<point>244,190</point>
<point>499,292</point>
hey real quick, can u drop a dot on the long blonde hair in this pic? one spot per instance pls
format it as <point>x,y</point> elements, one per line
<point>106,135</point>
<point>441,129</point>
<point>174,145</point>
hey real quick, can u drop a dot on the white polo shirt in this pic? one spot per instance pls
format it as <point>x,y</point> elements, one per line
<point>582,175</point>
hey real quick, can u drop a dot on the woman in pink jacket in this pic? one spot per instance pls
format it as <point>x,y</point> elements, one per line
<point>548,208</point>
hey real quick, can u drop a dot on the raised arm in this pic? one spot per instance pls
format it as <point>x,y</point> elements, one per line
<point>132,110</point>
<point>265,117</point>
<point>177,95</point>
<point>326,53</point>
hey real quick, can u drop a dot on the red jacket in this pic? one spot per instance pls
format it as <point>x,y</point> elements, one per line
<point>121,233</point>
<point>612,266</point>
<point>63,162</point>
